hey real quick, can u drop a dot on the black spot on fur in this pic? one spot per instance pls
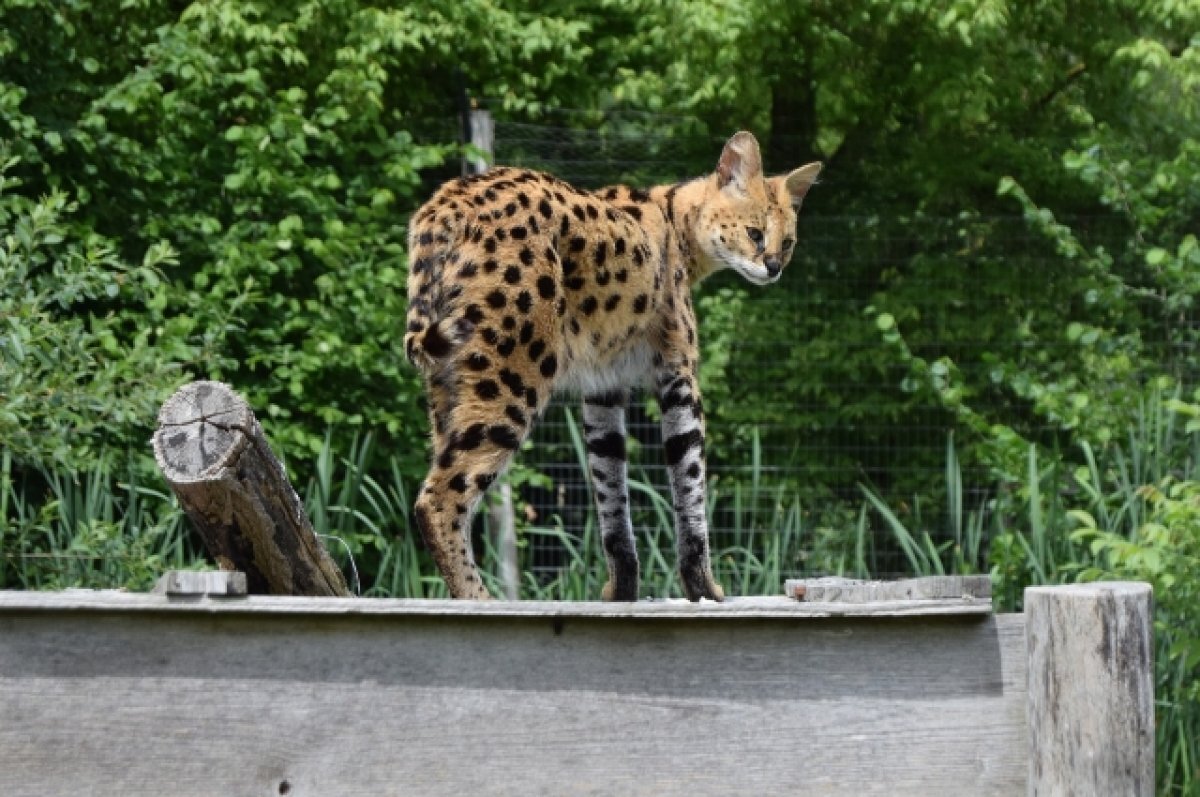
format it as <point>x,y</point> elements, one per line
<point>509,323</point>
<point>588,305</point>
<point>512,275</point>
<point>526,256</point>
<point>610,446</point>
<point>506,346</point>
<point>504,436</point>
<point>490,266</point>
<point>526,333</point>
<point>524,301</point>
<point>513,382</point>
<point>536,349</point>
<point>693,470</point>
<point>634,211</point>
<point>601,253</point>
<point>677,446</point>
<point>545,286</point>
<point>619,246</point>
<point>458,483</point>
<point>484,481</point>
<point>516,415</point>
<point>519,233</point>
<point>573,283</point>
<point>611,302</point>
<point>549,366</point>
<point>468,271</point>
<point>490,336</point>
<point>489,246</point>
<point>435,344</point>
<point>578,243</point>
<point>471,439</point>
<point>496,299</point>
<point>640,302</point>
<point>592,212</point>
<point>544,208</point>
<point>487,389</point>
<point>478,362</point>
<point>622,275</point>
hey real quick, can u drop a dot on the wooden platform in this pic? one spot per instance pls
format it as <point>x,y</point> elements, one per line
<point>200,690</point>
<point>122,694</point>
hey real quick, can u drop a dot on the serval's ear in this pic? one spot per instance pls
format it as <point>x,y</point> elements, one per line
<point>740,162</point>
<point>800,180</point>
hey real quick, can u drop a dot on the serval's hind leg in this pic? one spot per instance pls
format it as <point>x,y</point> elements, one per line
<point>468,454</point>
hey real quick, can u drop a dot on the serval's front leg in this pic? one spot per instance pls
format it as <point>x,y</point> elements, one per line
<point>604,430</point>
<point>683,444</point>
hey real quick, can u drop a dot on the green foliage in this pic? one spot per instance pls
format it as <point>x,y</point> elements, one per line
<point>81,372</point>
<point>84,529</point>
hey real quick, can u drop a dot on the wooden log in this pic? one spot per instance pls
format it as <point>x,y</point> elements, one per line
<point>1091,689</point>
<point>212,452</point>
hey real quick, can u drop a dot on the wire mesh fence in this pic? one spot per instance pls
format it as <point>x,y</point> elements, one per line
<point>805,404</point>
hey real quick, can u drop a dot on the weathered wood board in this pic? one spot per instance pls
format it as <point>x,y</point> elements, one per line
<point>964,589</point>
<point>110,693</point>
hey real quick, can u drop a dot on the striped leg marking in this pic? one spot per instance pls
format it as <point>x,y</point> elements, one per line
<point>683,444</point>
<point>604,430</point>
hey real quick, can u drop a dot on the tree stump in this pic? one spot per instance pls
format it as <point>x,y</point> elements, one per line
<point>212,452</point>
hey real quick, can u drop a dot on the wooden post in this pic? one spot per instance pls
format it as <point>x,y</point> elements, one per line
<point>483,132</point>
<point>1091,689</point>
<point>504,534</point>
<point>212,451</point>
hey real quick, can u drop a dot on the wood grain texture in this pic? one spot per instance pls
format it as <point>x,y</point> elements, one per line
<point>197,700</point>
<point>212,452</point>
<point>1091,689</point>
<point>966,589</point>
<point>767,607</point>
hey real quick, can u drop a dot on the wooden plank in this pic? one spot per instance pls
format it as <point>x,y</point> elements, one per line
<point>1091,689</point>
<point>967,589</point>
<point>732,608</point>
<point>223,583</point>
<point>131,700</point>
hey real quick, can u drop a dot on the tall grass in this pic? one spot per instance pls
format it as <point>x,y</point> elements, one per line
<point>87,529</point>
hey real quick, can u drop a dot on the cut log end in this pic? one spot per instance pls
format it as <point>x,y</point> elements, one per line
<point>202,428</point>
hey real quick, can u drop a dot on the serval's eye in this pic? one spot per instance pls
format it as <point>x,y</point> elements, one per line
<point>755,235</point>
<point>788,243</point>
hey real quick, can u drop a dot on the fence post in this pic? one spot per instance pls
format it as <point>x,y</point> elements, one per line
<point>1091,689</point>
<point>483,133</point>
<point>504,534</point>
